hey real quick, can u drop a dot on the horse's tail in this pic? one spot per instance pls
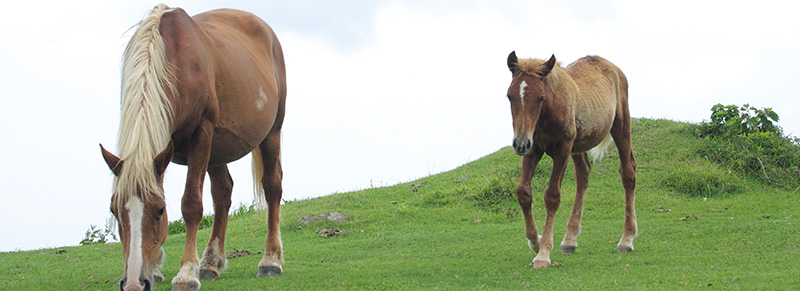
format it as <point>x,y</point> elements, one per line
<point>259,198</point>
<point>600,150</point>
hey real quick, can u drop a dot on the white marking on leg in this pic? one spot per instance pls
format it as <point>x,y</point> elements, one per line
<point>531,246</point>
<point>214,255</point>
<point>135,209</point>
<point>262,99</point>
<point>188,273</point>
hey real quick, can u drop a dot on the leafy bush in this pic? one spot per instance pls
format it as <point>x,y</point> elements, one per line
<point>179,226</point>
<point>99,236</point>
<point>752,144</point>
<point>731,120</point>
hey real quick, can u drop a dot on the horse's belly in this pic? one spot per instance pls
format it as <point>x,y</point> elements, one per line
<point>591,131</point>
<point>237,135</point>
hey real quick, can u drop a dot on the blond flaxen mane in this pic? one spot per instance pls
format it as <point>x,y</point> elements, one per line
<point>145,114</point>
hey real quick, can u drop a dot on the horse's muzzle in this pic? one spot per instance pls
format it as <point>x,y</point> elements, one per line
<point>522,145</point>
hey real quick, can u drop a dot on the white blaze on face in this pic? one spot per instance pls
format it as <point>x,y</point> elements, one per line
<point>522,98</point>
<point>135,209</point>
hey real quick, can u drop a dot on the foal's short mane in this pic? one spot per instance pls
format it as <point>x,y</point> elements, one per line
<point>146,110</point>
<point>534,67</point>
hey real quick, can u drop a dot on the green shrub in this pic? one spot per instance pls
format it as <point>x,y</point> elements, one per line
<point>99,236</point>
<point>179,226</point>
<point>731,120</point>
<point>751,144</point>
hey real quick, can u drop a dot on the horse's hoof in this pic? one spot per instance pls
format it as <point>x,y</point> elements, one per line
<point>207,274</point>
<point>567,250</point>
<point>541,264</point>
<point>190,286</point>
<point>624,249</point>
<point>268,271</point>
<point>534,246</point>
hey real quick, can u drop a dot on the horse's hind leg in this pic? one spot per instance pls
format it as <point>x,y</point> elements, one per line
<point>627,170</point>
<point>582,170</point>
<point>214,258</point>
<point>270,264</point>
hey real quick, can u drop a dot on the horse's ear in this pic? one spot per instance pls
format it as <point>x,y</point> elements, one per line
<point>548,65</point>
<point>512,61</point>
<point>162,160</point>
<point>114,163</point>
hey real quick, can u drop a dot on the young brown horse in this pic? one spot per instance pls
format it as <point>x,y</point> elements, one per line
<point>200,91</point>
<point>565,112</point>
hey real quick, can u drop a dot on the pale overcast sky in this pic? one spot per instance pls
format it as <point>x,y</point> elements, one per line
<point>379,92</point>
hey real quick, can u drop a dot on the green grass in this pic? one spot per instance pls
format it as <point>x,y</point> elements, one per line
<point>700,225</point>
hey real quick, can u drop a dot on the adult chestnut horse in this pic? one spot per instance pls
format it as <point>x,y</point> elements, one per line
<point>565,112</point>
<point>200,91</point>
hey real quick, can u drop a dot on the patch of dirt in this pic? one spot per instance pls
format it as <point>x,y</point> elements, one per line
<point>61,252</point>
<point>334,232</point>
<point>237,253</point>
<point>333,216</point>
<point>329,232</point>
<point>415,187</point>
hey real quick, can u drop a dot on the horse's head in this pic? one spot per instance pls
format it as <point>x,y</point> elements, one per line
<point>527,93</point>
<point>142,222</point>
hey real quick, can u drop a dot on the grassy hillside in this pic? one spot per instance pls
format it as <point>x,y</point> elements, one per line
<point>700,225</point>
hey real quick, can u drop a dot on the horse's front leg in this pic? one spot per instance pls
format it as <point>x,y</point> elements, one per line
<point>525,198</point>
<point>552,199</point>
<point>214,259</point>
<point>198,155</point>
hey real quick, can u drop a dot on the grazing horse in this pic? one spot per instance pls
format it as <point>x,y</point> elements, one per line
<point>565,112</point>
<point>199,91</point>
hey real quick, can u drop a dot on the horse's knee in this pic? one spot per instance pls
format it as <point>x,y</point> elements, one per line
<point>552,199</point>
<point>524,196</point>
<point>191,209</point>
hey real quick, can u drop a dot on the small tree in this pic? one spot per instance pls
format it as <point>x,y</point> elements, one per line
<point>732,120</point>
<point>99,236</point>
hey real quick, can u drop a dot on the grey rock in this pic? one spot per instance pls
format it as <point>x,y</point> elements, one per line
<point>333,216</point>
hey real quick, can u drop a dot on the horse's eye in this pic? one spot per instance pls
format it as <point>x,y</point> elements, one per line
<point>113,212</point>
<point>160,212</point>
<point>541,99</point>
<point>508,96</point>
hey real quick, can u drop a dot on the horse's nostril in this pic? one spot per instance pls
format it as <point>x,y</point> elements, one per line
<point>121,285</point>
<point>147,285</point>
